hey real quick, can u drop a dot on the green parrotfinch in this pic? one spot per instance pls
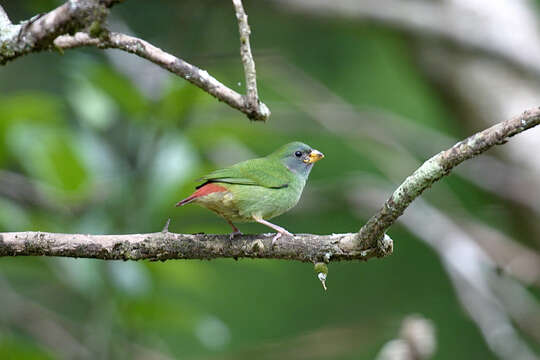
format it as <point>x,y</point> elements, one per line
<point>257,189</point>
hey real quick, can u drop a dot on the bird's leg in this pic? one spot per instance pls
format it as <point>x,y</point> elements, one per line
<point>235,230</point>
<point>279,229</point>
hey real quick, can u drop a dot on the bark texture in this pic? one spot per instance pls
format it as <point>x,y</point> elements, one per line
<point>193,74</point>
<point>80,23</point>
<point>252,96</point>
<point>439,166</point>
<point>370,241</point>
<point>166,245</point>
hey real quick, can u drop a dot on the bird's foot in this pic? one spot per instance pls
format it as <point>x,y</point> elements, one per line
<point>235,233</point>
<point>274,239</point>
<point>279,234</point>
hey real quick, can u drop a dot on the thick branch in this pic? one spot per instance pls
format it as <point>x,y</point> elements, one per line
<point>369,242</point>
<point>164,246</point>
<point>439,166</point>
<point>191,73</point>
<point>38,33</point>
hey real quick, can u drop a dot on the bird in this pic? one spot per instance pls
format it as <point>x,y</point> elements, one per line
<point>259,189</point>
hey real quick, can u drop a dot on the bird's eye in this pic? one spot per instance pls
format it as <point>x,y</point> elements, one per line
<point>298,154</point>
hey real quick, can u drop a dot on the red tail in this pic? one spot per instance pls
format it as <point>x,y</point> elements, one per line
<point>202,191</point>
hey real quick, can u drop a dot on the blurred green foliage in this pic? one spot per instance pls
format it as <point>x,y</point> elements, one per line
<point>111,152</point>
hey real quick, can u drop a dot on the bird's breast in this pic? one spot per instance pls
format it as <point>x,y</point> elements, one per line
<point>243,202</point>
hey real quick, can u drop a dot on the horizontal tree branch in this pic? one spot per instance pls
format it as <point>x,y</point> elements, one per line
<point>438,166</point>
<point>370,241</point>
<point>51,29</point>
<point>167,245</point>
<point>79,23</point>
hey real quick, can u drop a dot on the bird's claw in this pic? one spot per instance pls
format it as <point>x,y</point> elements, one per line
<point>235,233</point>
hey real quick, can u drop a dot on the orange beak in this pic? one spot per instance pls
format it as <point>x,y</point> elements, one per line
<point>314,156</point>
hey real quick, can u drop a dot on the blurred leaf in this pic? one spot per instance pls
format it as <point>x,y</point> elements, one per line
<point>94,221</point>
<point>123,92</point>
<point>212,332</point>
<point>190,277</point>
<point>13,217</point>
<point>92,105</point>
<point>48,154</point>
<point>175,160</point>
<point>130,278</point>
<point>178,99</point>
<point>83,275</point>
<point>17,348</point>
<point>33,107</point>
<point>130,175</point>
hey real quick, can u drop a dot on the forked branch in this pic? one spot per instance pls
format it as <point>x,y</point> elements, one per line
<point>80,23</point>
<point>369,242</point>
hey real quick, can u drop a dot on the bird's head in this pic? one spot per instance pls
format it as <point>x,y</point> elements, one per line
<point>298,157</point>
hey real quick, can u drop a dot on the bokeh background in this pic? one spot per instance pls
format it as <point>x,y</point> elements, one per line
<point>102,142</point>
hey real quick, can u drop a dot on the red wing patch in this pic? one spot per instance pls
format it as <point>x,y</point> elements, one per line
<point>207,189</point>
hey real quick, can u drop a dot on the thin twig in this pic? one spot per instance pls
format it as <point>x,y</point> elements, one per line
<point>49,31</point>
<point>252,96</point>
<point>144,49</point>
<point>511,256</point>
<point>439,166</point>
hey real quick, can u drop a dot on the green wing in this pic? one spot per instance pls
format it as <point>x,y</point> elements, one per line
<point>258,172</point>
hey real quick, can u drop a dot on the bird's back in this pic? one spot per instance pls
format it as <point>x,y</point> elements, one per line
<point>259,187</point>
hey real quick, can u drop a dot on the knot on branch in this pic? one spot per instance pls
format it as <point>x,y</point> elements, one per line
<point>258,111</point>
<point>385,246</point>
<point>39,32</point>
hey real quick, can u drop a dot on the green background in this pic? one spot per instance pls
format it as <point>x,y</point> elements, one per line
<point>101,151</point>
